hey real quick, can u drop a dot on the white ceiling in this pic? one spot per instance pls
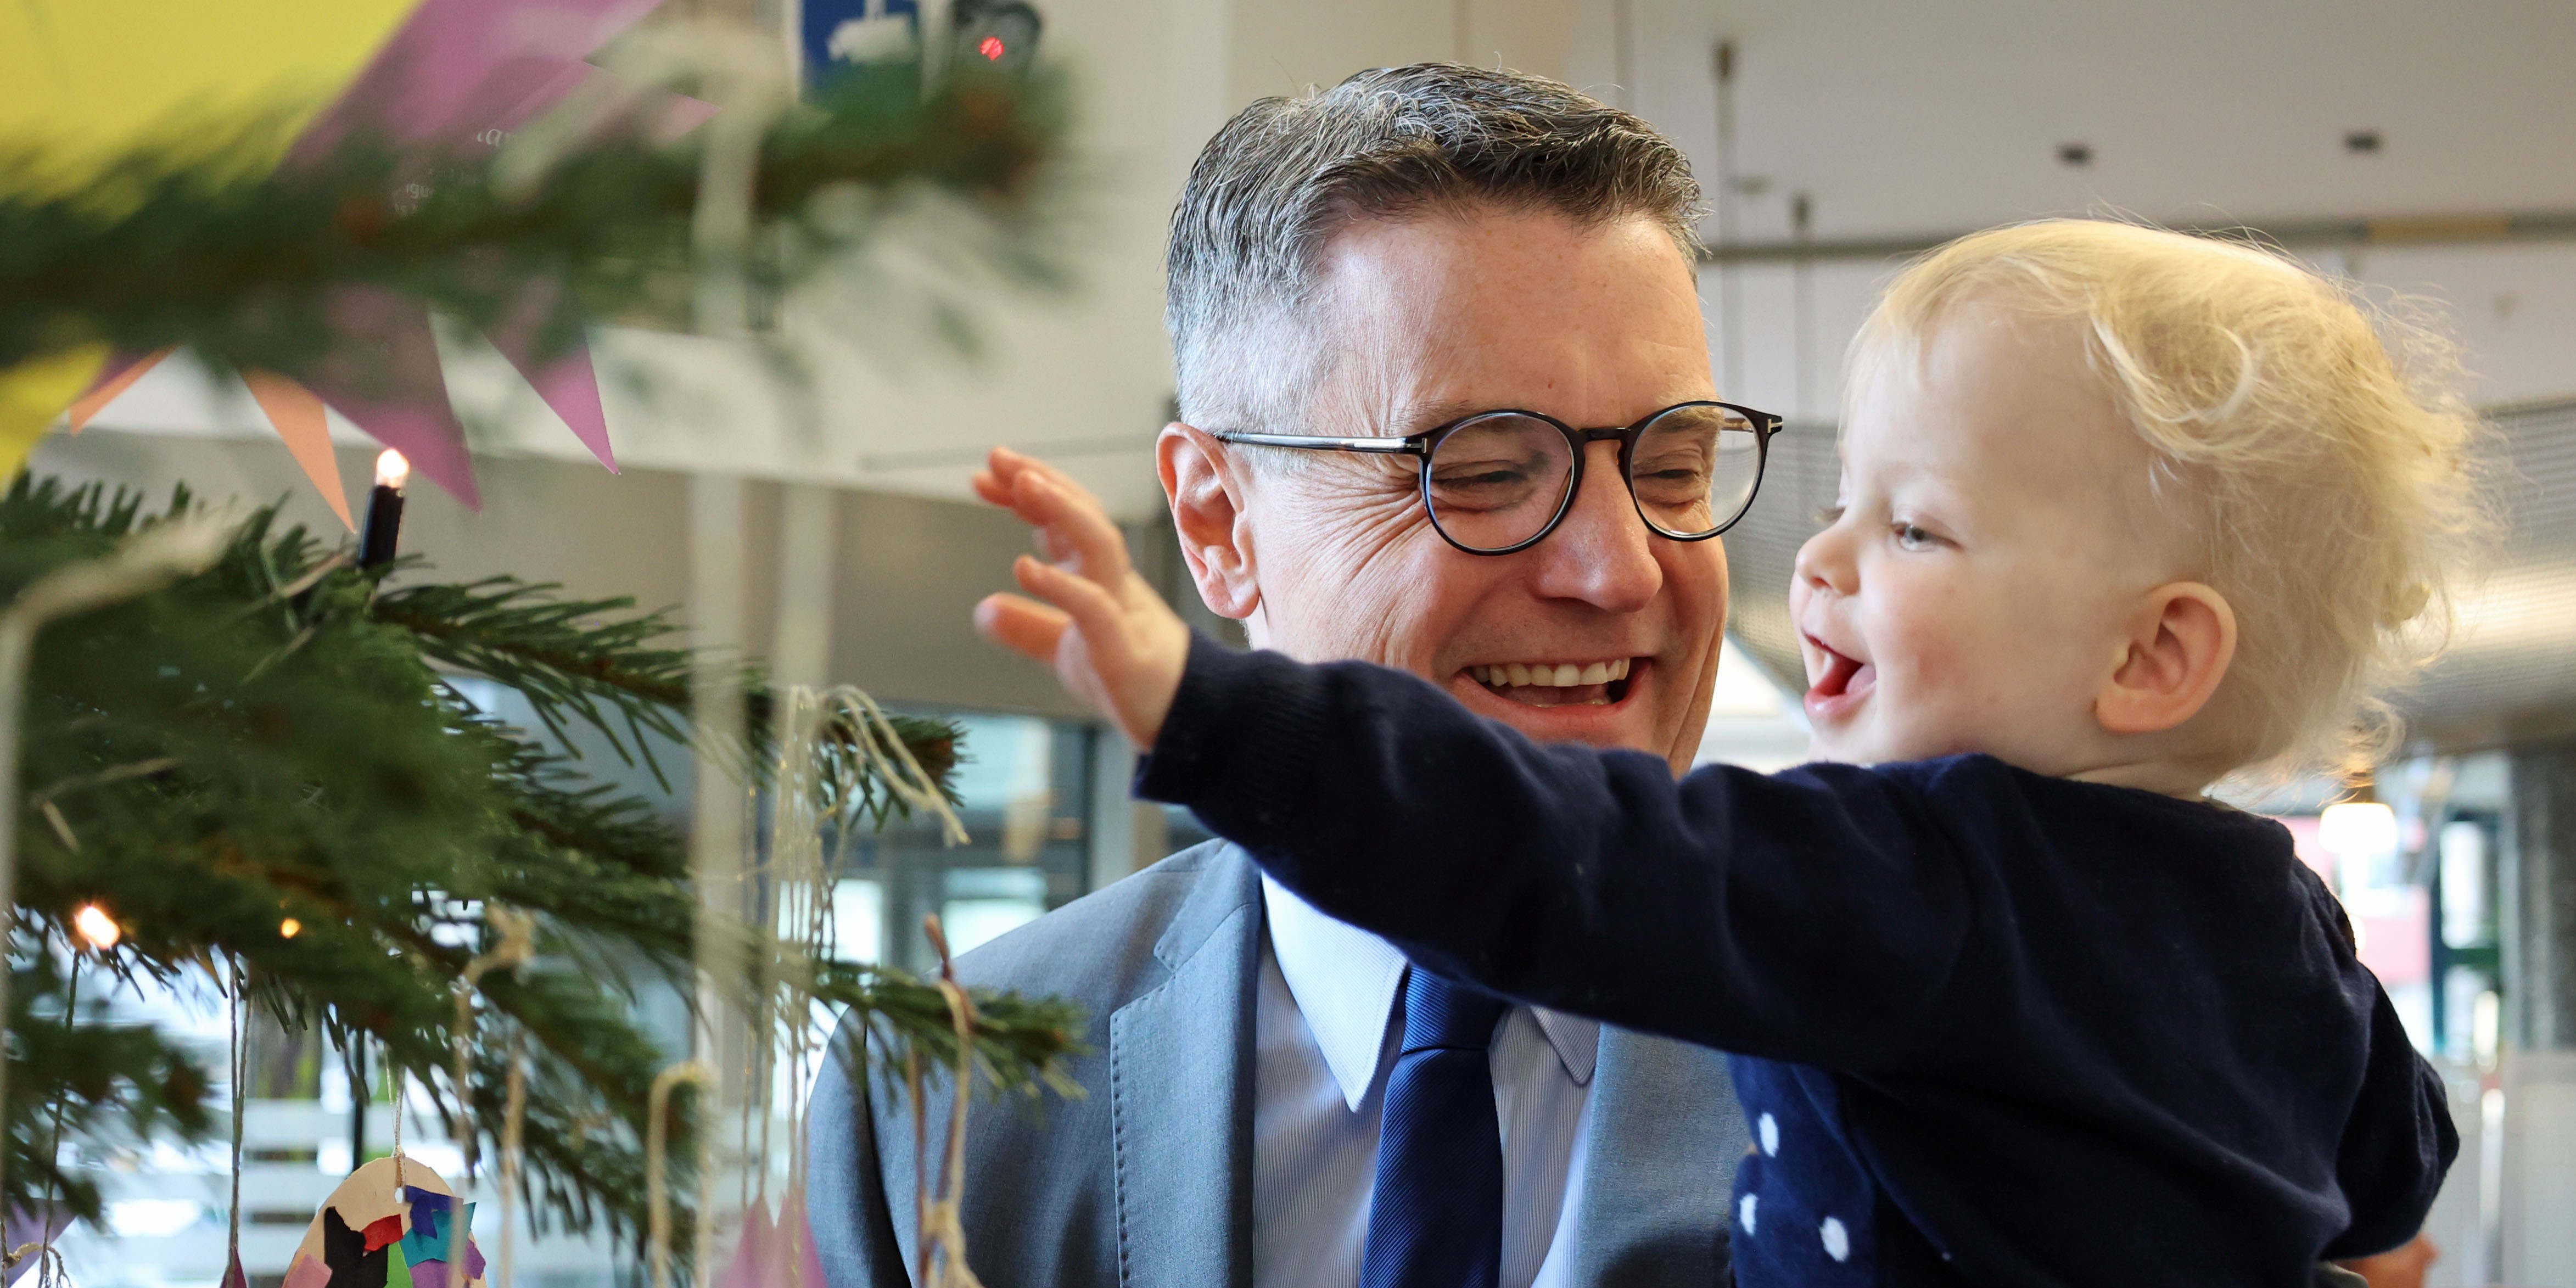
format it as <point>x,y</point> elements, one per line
<point>1931,116</point>
<point>1900,117</point>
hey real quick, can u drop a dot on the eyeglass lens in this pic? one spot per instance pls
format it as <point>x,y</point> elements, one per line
<point>1497,481</point>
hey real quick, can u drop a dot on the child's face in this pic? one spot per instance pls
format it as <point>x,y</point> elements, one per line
<point>1995,536</point>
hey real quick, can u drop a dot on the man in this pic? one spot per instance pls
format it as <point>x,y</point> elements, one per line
<point>1275,1099</point>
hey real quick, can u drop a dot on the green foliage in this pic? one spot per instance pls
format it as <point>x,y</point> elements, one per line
<point>166,249</point>
<point>113,1085</point>
<point>275,739</point>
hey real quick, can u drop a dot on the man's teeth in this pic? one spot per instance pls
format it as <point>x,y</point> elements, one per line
<point>1561,675</point>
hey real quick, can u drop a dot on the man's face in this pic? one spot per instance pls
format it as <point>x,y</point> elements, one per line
<point>1429,319</point>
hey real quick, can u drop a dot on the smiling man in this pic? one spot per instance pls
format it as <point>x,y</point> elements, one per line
<point>1446,406</point>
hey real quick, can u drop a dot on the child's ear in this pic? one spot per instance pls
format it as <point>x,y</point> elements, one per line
<point>1208,513</point>
<point>2177,651</point>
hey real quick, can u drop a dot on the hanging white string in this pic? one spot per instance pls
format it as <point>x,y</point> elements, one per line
<point>884,750</point>
<point>401,1088</point>
<point>514,1116</point>
<point>942,1222</point>
<point>516,933</point>
<point>241,1109</point>
<point>50,1269</point>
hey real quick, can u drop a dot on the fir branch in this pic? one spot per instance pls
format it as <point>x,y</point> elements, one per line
<point>341,785</point>
<point>164,248</point>
<point>590,660</point>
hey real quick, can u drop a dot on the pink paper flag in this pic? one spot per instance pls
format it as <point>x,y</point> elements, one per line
<point>795,1244</point>
<point>455,72</point>
<point>114,379</point>
<point>297,414</point>
<point>458,66</point>
<point>384,376</point>
<point>566,381</point>
<point>751,1256</point>
<point>233,1276</point>
<point>307,1272</point>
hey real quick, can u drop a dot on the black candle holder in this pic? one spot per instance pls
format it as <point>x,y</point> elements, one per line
<point>377,539</point>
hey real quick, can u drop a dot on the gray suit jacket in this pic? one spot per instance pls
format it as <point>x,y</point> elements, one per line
<point>1146,1182</point>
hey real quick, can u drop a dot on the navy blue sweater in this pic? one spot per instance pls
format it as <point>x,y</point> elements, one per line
<point>1990,1027</point>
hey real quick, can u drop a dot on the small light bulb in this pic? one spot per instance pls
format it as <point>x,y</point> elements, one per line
<point>95,927</point>
<point>286,929</point>
<point>2358,830</point>
<point>991,48</point>
<point>392,470</point>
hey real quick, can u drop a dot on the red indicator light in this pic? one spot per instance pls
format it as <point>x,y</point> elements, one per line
<point>991,49</point>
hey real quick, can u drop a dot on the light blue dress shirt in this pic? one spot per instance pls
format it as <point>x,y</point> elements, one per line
<point>1323,1042</point>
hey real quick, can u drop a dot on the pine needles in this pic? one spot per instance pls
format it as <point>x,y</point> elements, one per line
<point>277,740</point>
<point>163,249</point>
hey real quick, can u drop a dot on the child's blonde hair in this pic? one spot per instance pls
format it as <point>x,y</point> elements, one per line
<point>2315,448</point>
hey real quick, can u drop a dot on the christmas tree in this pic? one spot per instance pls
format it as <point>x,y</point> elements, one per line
<point>243,756</point>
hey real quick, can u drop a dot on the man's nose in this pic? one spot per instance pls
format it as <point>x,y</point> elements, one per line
<point>1600,553</point>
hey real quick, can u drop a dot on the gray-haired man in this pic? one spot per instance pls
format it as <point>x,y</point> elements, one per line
<point>1389,258</point>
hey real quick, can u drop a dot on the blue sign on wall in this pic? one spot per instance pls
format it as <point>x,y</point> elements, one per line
<point>839,33</point>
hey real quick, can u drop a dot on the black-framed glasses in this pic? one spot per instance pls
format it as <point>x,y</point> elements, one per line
<point>1500,481</point>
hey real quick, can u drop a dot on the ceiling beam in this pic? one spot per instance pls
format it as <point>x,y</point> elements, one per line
<point>2294,234</point>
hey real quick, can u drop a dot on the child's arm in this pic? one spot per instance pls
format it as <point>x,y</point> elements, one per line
<point>1802,917</point>
<point>1810,917</point>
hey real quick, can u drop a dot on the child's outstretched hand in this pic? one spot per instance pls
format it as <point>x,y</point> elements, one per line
<point>1111,639</point>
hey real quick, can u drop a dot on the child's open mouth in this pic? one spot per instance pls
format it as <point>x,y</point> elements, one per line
<point>1843,684</point>
<point>1557,684</point>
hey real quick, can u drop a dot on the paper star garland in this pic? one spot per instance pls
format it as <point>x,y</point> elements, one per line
<point>443,77</point>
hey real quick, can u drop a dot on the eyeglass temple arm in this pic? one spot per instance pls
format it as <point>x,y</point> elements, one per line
<point>1377,446</point>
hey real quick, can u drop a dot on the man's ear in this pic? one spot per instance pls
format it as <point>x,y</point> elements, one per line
<point>1208,512</point>
<point>2178,648</point>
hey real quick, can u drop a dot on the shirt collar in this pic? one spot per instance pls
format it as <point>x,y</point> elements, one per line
<point>1345,981</point>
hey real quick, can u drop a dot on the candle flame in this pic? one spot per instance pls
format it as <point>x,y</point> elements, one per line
<point>392,470</point>
<point>95,927</point>
<point>286,929</point>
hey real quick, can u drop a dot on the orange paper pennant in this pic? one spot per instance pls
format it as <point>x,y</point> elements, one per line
<point>297,413</point>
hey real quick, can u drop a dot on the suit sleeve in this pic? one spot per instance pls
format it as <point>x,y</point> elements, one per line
<point>845,1197</point>
<point>1815,916</point>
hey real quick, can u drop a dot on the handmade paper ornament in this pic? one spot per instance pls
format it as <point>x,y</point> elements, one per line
<point>24,1231</point>
<point>393,1223</point>
<point>442,78</point>
<point>751,1254</point>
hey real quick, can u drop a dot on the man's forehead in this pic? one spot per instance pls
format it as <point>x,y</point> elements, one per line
<point>1439,317</point>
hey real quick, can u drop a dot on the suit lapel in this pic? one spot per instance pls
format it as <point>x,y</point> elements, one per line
<point>1657,1184</point>
<point>1180,1087</point>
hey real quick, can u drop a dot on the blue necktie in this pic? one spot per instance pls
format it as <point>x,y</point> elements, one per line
<point>1436,1220</point>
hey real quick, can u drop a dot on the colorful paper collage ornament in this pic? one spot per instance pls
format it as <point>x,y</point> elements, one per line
<point>387,1226</point>
<point>452,76</point>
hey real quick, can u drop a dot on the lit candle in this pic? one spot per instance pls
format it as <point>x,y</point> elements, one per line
<point>96,928</point>
<point>384,510</point>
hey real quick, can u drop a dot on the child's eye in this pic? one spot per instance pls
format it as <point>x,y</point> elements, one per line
<point>1829,515</point>
<point>1914,536</point>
